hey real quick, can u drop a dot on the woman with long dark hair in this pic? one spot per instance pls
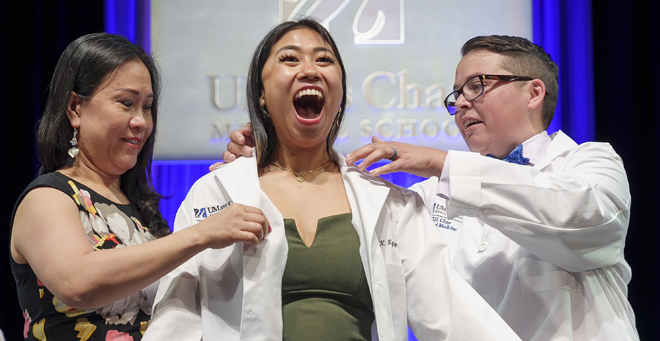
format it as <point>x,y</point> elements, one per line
<point>350,256</point>
<point>88,242</point>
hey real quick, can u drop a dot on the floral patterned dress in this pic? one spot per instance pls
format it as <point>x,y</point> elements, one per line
<point>107,225</point>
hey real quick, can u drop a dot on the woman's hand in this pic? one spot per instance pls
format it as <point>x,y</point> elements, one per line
<point>418,160</point>
<point>240,144</point>
<point>236,223</point>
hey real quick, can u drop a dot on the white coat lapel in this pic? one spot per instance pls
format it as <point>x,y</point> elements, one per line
<point>366,197</point>
<point>369,195</point>
<point>262,265</point>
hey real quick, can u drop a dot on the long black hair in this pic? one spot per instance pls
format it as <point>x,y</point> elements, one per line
<point>263,131</point>
<point>84,65</point>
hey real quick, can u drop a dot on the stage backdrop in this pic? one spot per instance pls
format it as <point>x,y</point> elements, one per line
<point>400,59</point>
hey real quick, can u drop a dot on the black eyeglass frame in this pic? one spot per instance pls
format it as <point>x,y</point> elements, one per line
<point>504,78</point>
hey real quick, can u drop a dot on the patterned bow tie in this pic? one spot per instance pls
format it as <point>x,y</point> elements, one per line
<point>516,156</point>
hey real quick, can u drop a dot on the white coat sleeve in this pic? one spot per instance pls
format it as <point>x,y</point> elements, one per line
<point>440,304</point>
<point>176,314</point>
<point>573,213</point>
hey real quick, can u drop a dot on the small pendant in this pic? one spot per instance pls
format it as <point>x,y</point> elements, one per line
<point>300,178</point>
<point>73,152</point>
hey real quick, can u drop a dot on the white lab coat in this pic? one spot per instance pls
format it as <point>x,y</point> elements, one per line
<point>543,245</point>
<point>229,294</point>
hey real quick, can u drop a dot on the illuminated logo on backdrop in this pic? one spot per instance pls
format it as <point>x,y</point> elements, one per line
<point>400,58</point>
<point>375,22</point>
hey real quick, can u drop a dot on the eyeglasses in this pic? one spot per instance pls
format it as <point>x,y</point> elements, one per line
<point>474,87</point>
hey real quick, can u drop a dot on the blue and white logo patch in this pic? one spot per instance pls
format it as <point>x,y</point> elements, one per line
<point>200,212</point>
<point>450,229</point>
<point>440,219</point>
<point>204,212</point>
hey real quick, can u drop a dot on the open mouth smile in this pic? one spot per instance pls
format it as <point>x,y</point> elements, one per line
<point>308,104</point>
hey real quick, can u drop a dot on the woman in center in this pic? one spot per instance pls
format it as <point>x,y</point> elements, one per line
<point>349,257</point>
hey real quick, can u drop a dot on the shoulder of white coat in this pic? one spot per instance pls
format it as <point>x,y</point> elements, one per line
<point>205,183</point>
<point>426,187</point>
<point>564,142</point>
<point>395,192</point>
<point>602,147</point>
<point>205,198</point>
<point>563,146</point>
<point>210,180</point>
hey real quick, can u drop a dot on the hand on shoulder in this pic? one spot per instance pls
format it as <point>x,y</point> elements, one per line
<point>418,160</point>
<point>240,144</point>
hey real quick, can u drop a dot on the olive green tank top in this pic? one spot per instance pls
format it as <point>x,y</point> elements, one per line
<point>325,294</point>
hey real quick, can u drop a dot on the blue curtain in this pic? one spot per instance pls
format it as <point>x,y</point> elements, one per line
<point>564,30</point>
<point>131,19</point>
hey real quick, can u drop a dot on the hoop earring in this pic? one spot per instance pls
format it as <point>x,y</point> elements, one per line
<point>336,123</point>
<point>73,151</point>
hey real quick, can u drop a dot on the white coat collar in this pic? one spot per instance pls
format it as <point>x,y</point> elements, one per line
<point>371,192</point>
<point>534,147</point>
<point>560,144</point>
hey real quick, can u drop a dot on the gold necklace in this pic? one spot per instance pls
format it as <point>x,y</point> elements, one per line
<point>300,176</point>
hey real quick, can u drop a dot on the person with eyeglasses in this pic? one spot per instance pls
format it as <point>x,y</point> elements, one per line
<point>536,223</point>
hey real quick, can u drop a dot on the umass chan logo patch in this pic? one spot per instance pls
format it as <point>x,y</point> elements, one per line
<point>204,212</point>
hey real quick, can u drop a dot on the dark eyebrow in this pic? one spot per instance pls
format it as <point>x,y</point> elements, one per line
<point>134,92</point>
<point>297,48</point>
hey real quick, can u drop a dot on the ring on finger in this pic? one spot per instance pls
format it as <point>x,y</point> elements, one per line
<point>393,156</point>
